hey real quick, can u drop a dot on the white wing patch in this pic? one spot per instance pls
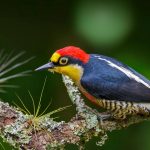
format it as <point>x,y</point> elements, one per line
<point>125,71</point>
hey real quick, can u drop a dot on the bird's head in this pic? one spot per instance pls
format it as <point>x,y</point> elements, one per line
<point>69,61</point>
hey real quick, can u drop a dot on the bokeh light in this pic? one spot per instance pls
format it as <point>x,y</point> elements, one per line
<point>104,23</point>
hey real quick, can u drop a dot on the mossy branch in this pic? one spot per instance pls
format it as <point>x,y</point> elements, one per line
<point>19,129</point>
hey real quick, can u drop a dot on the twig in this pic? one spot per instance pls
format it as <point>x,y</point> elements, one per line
<point>18,129</point>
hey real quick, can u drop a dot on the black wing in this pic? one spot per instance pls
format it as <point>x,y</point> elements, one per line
<point>106,82</point>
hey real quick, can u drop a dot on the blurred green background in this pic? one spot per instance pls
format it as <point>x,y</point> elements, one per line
<point>118,29</point>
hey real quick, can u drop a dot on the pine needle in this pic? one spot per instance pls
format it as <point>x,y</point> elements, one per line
<point>21,109</point>
<point>45,109</point>
<point>2,146</point>
<point>55,111</point>
<point>6,64</point>
<point>15,66</point>
<point>36,116</point>
<point>33,103</point>
<point>26,109</point>
<point>39,104</point>
<point>6,61</point>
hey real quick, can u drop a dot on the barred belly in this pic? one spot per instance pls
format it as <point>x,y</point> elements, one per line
<point>122,109</point>
<point>119,109</point>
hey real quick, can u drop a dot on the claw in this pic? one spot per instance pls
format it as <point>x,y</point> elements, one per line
<point>103,117</point>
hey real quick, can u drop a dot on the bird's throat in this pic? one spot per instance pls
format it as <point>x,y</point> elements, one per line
<point>75,72</point>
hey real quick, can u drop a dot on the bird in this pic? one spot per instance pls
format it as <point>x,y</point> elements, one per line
<point>105,81</point>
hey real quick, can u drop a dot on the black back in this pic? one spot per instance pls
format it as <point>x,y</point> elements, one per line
<point>107,78</point>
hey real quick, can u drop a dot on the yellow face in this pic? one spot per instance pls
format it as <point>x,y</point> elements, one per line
<point>55,57</point>
<point>74,71</point>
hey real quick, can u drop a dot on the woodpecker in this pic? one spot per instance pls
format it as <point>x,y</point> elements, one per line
<point>105,81</point>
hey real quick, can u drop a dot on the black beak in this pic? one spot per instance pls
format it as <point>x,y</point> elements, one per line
<point>49,65</point>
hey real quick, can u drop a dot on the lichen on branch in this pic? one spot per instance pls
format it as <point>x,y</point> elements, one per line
<point>20,130</point>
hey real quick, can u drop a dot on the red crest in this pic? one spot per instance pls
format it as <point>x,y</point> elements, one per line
<point>74,52</point>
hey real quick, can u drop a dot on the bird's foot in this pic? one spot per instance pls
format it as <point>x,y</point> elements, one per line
<point>100,116</point>
<point>104,116</point>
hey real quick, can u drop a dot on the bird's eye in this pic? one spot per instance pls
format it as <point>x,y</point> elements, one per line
<point>63,61</point>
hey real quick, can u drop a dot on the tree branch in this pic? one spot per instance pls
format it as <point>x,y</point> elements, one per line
<point>26,132</point>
